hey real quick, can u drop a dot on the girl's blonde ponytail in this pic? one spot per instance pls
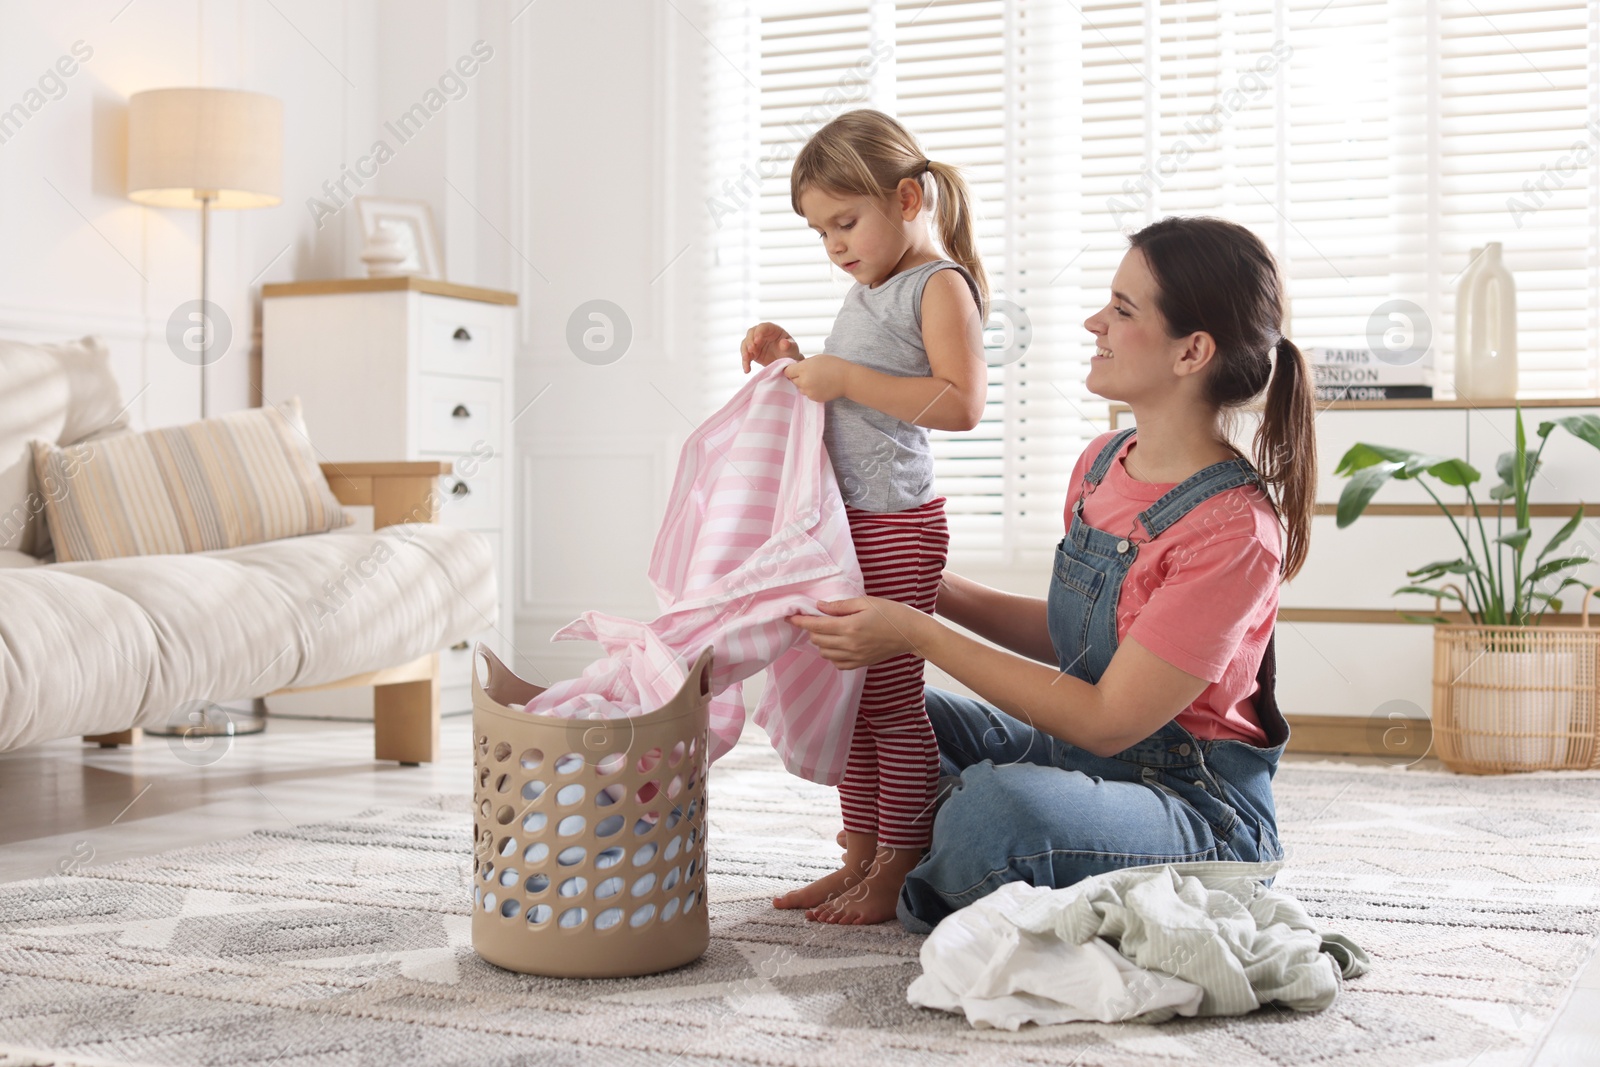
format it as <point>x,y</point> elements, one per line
<point>957,229</point>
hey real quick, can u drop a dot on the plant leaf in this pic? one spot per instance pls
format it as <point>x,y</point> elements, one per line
<point>1554,566</point>
<point>1583,427</point>
<point>1453,471</point>
<point>1363,484</point>
<point>1361,455</point>
<point>1517,539</point>
<point>1444,566</point>
<point>1425,591</point>
<point>1561,535</point>
<point>1431,620</point>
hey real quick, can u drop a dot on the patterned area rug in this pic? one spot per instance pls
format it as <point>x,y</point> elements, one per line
<point>348,943</point>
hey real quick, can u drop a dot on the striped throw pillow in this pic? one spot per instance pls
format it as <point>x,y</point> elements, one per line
<point>237,479</point>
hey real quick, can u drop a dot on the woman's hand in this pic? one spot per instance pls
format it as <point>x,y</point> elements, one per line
<point>821,378</point>
<point>863,630</point>
<point>764,343</point>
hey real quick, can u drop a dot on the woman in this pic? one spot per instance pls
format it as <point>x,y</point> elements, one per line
<point>1154,735</point>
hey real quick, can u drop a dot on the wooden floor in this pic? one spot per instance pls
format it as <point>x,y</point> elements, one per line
<point>68,804</point>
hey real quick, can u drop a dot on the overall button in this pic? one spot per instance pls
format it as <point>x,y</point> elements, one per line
<point>1184,749</point>
<point>1122,546</point>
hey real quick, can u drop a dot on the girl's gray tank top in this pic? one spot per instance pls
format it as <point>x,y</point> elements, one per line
<point>881,462</point>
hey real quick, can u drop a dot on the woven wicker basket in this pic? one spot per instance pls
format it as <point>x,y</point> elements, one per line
<point>589,835</point>
<point>1517,698</point>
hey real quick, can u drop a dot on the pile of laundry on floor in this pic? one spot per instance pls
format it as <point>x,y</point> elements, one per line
<point>1142,943</point>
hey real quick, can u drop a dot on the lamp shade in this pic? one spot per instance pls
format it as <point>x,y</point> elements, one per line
<point>187,144</point>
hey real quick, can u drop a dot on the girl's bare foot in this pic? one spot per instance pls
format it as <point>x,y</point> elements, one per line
<point>822,890</point>
<point>869,899</point>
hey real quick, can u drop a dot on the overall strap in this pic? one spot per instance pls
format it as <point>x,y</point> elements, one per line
<point>1196,489</point>
<point>1102,462</point>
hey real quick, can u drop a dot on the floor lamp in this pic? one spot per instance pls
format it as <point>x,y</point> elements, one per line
<point>206,149</point>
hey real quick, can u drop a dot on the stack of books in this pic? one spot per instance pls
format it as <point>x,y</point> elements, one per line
<point>1358,374</point>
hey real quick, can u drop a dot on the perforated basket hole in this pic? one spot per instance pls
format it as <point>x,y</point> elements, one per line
<point>508,845</point>
<point>642,915</point>
<point>532,789</point>
<point>508,876</point>
<point>648,761</point>
<point>489,901</point>
<point>477,896</point>
<point>571,763</point>
<point>531,758</point>
<point>644,854</point>
<point>689,902</point>
<point>483,777</point>
<point>694,865</point>
<point>675,756</point>
<point>608,826</point>
<point>673,817</point>
<point>483,808</point>
<point>488,872</point>
<point>608,888</point>
<point>573,917</point>
<point>536,883</point>
<point>674,787</point>
<point>571,794</point>
<point>608,858</point>
<point>502,752</point>
<point>573,886</point>
<point>534,822</point>
<point>510,908</point>
<point>646,823</point>
<point>611,794</point>
<point>670,882</point>
<point>643,884</point>
<point>505,815</point>
<point>648,791</point>
<point>672,849</point>
<point>611,764</point>
<point>502,783</point>
<point>539,914</point>
<point>571,857</point>
<point>669,909</point>
<point>572,824</point>
<point>608,918</point>
<point>537,852</point>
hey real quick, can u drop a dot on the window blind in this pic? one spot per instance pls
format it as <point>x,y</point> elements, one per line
<point>1370,143</point>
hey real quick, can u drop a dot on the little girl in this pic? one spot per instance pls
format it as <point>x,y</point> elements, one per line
<point>905,355</point>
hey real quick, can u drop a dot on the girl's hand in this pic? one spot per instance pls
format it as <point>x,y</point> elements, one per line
<point>764,343</point>
<point>821,378</point>
<point>862,631</point>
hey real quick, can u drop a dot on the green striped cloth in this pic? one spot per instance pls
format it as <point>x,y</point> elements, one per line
<point>238,479</point>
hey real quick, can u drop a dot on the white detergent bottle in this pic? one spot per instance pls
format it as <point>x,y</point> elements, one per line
<point>1493,330</point>
<point>1463,361</point>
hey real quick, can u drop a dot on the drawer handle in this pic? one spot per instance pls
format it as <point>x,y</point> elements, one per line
<point>460,489</point>
<point>461,412</point>
<point>462,334</point>
<point>459,646</point>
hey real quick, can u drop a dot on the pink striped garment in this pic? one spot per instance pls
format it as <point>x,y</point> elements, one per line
<point>755,531</point>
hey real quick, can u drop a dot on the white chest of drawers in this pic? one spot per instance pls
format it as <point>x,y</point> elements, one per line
<point>400,369</point>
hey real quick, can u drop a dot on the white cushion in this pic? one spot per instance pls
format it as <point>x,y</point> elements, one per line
<point>61,393</point>
<point>10,558</point>
<point>96,647</point>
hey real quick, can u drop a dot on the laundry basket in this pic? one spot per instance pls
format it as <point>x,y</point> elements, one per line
<point>1517,698</point>
<point>589,835</point>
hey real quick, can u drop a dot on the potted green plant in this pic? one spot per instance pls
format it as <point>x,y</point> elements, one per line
<point>1509,692</point>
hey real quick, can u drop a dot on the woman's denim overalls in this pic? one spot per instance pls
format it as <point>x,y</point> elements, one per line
<point>1029,806</point>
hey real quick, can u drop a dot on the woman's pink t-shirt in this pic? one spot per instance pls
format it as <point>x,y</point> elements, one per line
<point>1203,596</point>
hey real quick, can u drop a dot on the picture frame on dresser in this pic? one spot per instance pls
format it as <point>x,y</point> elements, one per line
<point>1354,677</point>
<point>415,368</point>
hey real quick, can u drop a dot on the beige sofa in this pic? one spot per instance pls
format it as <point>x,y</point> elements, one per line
<point>102,648</point>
